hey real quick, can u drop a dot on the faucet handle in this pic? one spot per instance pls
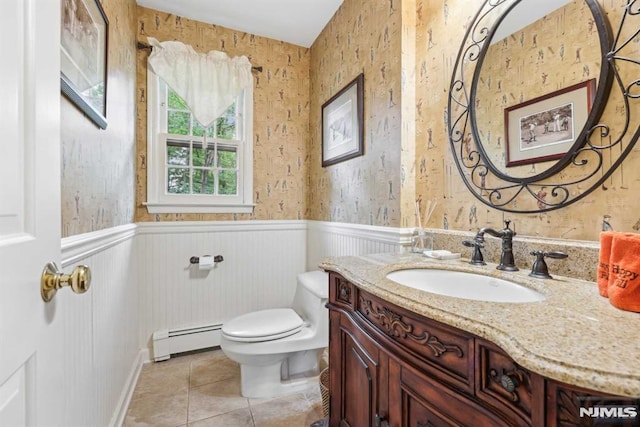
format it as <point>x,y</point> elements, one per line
<point>476,257</point>
<point>539,269</point>
<point>556,254</point>
<point>473,243</point>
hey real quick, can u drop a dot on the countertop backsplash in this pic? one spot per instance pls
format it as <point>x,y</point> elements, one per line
<point>581,263</point>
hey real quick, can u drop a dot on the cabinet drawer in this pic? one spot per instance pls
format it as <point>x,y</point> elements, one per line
<point>425,403</point>
<point>444,352</point>
<point>341,291</point>
<point>503,384</point>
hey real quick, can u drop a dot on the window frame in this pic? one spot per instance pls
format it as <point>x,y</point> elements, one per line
<point>158,199</point>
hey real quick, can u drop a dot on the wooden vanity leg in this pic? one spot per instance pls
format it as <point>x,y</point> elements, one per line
<point>395,393</point>
<point>538,408</point>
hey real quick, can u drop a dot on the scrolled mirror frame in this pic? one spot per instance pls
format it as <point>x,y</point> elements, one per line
<point>516,194</point>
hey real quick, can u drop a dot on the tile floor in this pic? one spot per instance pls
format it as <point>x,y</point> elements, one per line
<point>203,390</point>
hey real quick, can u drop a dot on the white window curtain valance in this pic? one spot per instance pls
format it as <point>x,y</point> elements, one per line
<point>208,82</point>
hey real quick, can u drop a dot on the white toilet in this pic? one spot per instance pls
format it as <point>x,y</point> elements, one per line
<point>279,349</point>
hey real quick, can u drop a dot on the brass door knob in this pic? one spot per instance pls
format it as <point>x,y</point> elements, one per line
<point>53,279</point>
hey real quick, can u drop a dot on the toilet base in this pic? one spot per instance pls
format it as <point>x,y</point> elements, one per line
<point>267,382</point>
<point>304,363</point>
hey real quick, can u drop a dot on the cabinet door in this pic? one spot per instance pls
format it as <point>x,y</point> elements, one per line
<point>506,386</point>
<point>359,379</point>
<point>427,403</point>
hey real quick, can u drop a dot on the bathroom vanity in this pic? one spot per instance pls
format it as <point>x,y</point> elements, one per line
<point>400,356</point>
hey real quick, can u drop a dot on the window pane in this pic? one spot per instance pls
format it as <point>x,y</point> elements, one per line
<point>226,123</point>
<point>203,181</point>
<point>177,153</point>
<point>175,102</point>
<point>178,122</point>
<point>178,181</point>
<point>228,182</point>
<point>198,129</point>
<point>200,158</point>
<point>227,157</point>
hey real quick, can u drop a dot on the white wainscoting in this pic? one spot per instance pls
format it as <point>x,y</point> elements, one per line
<point>142,282</point>
<point>99,347</point>
<point>261,261</point>
<point>326,239</point>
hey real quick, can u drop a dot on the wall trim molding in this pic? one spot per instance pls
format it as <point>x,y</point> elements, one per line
<point>83,245</point>
<point>389,235</point>
<point>120,411</point>
<point>218,226</point>
<point>75,248</point>
<point>86,244</point>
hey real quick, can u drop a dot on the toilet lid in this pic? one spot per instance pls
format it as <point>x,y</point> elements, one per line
<point>263,325</point>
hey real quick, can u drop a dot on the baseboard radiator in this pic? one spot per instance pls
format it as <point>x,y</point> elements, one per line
<point>167,342</point>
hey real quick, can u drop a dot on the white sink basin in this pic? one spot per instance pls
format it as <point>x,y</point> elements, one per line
<point>464,285</point>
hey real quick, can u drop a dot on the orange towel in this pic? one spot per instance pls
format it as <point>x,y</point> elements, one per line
<point>624,272</point>
<point>603,265</point>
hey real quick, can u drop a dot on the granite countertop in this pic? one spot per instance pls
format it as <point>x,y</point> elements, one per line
<point>574,335</point>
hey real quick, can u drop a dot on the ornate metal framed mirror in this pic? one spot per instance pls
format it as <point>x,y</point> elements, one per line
<point>551,87</point>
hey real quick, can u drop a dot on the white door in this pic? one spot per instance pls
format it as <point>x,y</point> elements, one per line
<point>29,208</point>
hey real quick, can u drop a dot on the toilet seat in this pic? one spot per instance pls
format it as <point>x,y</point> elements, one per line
<point>263,325</point>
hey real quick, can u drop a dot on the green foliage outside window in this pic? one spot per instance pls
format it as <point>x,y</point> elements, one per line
<point>198,171</point>
<point>175,102</point>
<point>178,181</point>
<point>178,122</point>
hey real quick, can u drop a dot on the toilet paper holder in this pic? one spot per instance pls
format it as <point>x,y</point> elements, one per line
<point>196,260</point>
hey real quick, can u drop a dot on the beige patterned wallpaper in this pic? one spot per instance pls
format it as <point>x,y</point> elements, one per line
<point>364,36</point>
<point>405,159</point>
<point>97,165</point>
<point>440,28</point>
<point>281,114</point>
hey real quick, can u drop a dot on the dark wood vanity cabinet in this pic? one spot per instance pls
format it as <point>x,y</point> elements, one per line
<point>390,367</point>
<point>358,387</point>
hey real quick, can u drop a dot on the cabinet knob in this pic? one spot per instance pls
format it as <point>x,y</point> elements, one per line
<point>509,383</point>
<point>380,421</point>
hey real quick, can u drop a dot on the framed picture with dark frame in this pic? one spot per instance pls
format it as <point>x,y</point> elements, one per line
<point>544,128</point>
<point>343,124</point>
<point>83,57</point>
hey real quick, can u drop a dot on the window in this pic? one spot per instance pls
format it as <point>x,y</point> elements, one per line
<point>191,168</point>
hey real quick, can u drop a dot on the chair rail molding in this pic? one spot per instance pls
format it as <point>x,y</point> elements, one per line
<point>81,246</point>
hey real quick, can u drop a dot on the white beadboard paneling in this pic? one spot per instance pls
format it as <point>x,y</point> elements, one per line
<point>142,281</point>
<point>328,239</point>
<point>261,261</point>
<point>145,284</point>
<point>98,330</point>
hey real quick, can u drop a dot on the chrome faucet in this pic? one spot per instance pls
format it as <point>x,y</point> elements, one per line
<point>507,262</point>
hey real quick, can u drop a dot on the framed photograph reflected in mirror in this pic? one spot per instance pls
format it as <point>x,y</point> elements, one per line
<point>545,128</point>
<point>342,124</point>
<point>83,57</point>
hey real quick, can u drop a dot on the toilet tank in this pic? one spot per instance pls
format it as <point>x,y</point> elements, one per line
<point>312,292</point>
